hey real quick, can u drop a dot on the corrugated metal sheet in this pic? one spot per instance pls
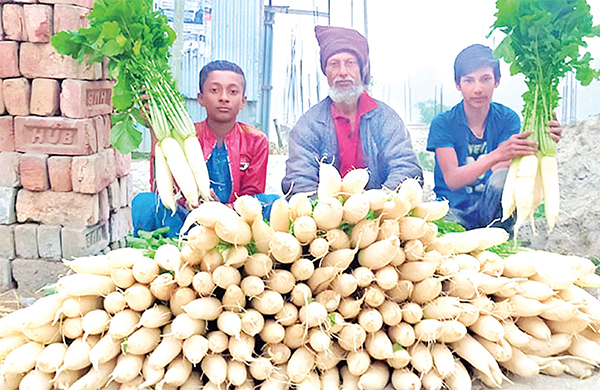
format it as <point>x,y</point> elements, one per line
<point>235,36</point>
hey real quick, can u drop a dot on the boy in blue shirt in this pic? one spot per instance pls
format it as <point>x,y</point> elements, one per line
<point>475,141</point>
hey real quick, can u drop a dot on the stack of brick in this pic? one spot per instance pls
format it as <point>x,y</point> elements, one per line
<point>64,192</point>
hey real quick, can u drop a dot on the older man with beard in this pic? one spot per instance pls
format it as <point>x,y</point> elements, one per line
<point>348,128</point>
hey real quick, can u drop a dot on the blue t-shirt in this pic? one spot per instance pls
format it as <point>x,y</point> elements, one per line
<point>450,130</point>
<point>218,170</point>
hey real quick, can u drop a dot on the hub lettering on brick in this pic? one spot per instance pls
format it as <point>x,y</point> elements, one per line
<point>45,136</point>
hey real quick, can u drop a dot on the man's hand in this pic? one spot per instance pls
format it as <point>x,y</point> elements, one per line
<point>554,128</point>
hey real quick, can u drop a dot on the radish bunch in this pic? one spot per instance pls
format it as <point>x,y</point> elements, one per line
<point>354,289</point>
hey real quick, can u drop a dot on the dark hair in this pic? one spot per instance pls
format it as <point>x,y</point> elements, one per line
<point>220,65</point>
<point>475,57</point>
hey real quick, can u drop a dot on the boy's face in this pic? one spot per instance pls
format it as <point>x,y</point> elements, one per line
<point>478,87</point>
<point>223,95</point>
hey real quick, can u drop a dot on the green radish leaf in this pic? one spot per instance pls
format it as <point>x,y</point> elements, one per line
<point>111,48</point>
<point>125,137</point>
<point>397,347</point>
<point>331,317</point>
<point>110,30</point>
<point>252,249</point>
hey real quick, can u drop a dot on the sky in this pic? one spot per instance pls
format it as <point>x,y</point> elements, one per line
<point>411,43</point>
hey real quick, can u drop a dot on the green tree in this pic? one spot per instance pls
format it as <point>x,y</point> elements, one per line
<point>429,109</point>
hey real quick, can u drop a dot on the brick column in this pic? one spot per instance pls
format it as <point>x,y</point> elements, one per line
<point>64,192</point>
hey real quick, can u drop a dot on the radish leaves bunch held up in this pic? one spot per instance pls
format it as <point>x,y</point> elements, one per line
<point>136,41</point>
<point>543,41</point>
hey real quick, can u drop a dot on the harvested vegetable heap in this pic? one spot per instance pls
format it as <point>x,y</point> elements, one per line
<point>357,290</point>
<point>543,40</point>
<point>136,42</point>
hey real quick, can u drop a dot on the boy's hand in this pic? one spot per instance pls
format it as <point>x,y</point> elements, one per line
<point>145,98</point>
<point>516,146</point>
<point>213,195</point>
<point>554,128</point>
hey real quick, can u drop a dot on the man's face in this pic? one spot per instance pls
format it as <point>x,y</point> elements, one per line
<point>343,76</point>
<point>343,71</point>
<point>478,87</point>
<point>223,95</point>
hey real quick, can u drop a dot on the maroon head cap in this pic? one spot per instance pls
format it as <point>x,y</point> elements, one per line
<point>334,40</point>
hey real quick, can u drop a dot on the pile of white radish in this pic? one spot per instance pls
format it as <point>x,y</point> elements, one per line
<point>357,292</point>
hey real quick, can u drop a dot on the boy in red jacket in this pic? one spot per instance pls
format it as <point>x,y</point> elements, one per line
<point>236,154</point>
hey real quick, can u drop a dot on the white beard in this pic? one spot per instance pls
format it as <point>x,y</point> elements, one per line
<point>348,96</point>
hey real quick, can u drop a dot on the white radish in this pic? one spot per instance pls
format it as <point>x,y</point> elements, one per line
<point>300,365</point>
<point>167,350</point>
<point>142,341</point>
<point>285,248</point>
<point>230,323</point>
<point>405,379</point>
<point>328,213</point>
<point>128,368</point>
<point>205,308</point>
<point>51,358</point>
<point>194,348</point>
<point>178,371</point>
<point>241,349</point>
<point>252,322</point>
<point>95,379</point>
<point>318,247</point>
<point>215,368</point>
<point>376,377</point>
<point>305,229</point>
<point>248,207</point>
<point>300,205</point>
<point>184,326</point>
<point>280,215</point>
<point>233,229</point>
<point>356,208</point>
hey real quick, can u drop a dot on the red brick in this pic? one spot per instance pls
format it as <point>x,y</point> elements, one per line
<point>44,97</point>
<point>85,99</point>
<point>34,172</point>
<point>7,134</point>
<point>13,21</point>
<point>123,163</point>
<point>9,174</point>
<point>81,3</point>
<point>120,224</point>
<point>104,205</point>
<point>42,60</point>
<point>59,173</point>
<point>9,66</point>
<point>1,28</point>
<point>57,208</point>
<point>77,242</point>
<point>17,95</point>
<point>55,135</point>
<point>2,109</point>
<point>70,17</point>
<point>109,167</point>
<point>103,126</point>
<point>38,22</point>
<point>91,174</point>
